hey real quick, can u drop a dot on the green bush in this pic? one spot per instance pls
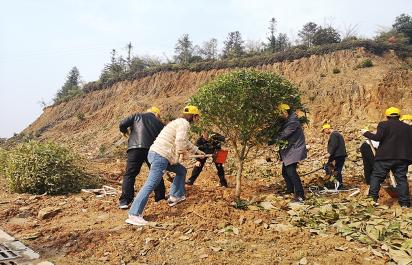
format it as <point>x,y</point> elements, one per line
<point>366,63</point>
<point>3,159</point>
<point>39,168</point>
<point>336,71</point>
<point>81,116</point>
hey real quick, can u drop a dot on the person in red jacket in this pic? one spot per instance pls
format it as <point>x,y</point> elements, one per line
<point>394,153</point>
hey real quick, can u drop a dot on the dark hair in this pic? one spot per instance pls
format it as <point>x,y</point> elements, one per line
<point>189,117</point>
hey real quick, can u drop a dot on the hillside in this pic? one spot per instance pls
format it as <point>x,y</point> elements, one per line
<point>351,97</point>
<point>207,229</point>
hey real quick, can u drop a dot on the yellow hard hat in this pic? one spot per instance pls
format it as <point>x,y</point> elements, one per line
<point>392,111</point>
<point>326,126</point>
<point>191,110</point>
<point>283,107</point>
<point>154,110</point>
<point>406,117</point>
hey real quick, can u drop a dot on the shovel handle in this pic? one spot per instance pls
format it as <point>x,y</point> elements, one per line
<point>201,156</point>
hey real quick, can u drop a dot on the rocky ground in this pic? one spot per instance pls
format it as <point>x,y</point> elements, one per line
<point>87,229</point>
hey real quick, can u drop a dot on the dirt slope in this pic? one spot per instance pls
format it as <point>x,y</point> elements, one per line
<point>351,97</point>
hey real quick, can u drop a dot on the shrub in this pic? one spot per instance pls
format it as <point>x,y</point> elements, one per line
<point>39,168</point>
<point>80,116</point>
<point>365,63</point>
<point>3,158</point>
<point>336,71</point>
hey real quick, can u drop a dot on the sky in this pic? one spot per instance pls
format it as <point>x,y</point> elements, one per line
<point>41,40</point>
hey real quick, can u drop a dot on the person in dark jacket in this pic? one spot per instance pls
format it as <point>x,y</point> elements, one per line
<point>295,151</point>
<point>337,151</point>
<point>368,150</point>
<point>394,154</point>
<point>209,146</point>
<point>144,128</point>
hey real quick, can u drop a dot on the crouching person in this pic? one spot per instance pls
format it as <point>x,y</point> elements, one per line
<point>171,144</point>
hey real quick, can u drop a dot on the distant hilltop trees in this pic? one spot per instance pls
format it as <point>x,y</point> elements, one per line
<point>312,39</point>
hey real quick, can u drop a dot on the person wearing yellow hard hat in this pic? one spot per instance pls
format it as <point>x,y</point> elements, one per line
<point>143,128</point>
<point>337,153</point>
<point>294,152</point>
<point>407,118</point>
<point>165,154</point>
<point>393,154</point>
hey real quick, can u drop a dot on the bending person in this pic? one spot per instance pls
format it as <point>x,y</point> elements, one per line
<point>209,146</point>
<point>165,154</point>
<point>144,128</point>
<point>394,154</point>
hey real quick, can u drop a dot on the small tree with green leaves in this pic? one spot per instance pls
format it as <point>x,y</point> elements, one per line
<point>71,87</point>
<point>242,106</point>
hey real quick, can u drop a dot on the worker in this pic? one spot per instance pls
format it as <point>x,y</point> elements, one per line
<point>292,153</point>
<point>368,149</point>
<point>144,128</point>
<point>337,152</point>
<point>394,154</point>
<point>166,153</point>
<point>407,118</point>
<point>209,145</point>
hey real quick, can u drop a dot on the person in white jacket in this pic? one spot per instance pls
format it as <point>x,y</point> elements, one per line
<point>170,146</point>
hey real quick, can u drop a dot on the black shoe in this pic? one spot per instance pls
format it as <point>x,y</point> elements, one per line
<point>298,200</point>
<point>188,182</point>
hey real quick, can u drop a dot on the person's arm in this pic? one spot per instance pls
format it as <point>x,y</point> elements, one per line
<point>379,133</point>
<point>332,146</point>
<point>126,123</point>
<point>291,128</point>
<point>182,142</point>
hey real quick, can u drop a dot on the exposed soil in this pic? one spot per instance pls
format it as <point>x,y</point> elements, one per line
<point>91,230</point>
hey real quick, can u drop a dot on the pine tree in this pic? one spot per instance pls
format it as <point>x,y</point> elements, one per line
<point>233,45</point>
<point>184,50</point>
<point>71,87</point>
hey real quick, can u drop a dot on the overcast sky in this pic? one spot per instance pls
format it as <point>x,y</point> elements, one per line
<point>41,40</point>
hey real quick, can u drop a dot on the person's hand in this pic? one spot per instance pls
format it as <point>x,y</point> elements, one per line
<point>363,131</point>
<point>125,135</point>
<point>197,164</point>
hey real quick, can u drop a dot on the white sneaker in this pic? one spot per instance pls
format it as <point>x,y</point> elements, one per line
<point>124,206</point>
<point>136,220</point>
<point>172,201</point>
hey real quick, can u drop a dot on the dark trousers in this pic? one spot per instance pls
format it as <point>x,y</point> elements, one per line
<point>339,163</point>
<point>197,169</point>
<point>292,179</point>
<point>368,161</point>
<point>399,169</point>
<point>135,159</point>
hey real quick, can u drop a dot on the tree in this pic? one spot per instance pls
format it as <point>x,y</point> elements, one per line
<point>71,87</point>
<point>253,47</point>
<point>184,50</point>
<point>283,42</point>
<point>208,51</point>
<point>129,48</point>
<point>403,24</point>
<point>272,43</point>
<point>242,106</point>
<point>307,33</point>
<point>325,36</point>
<point>113,71</point>
<point>233,46</point>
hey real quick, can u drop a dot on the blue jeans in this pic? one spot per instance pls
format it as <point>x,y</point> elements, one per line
<point>159,165</point>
